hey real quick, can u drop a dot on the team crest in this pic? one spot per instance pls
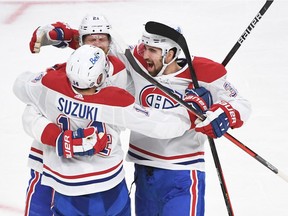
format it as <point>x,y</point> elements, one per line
<point>150,96</point>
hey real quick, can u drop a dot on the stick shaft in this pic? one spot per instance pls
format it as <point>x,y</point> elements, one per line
<point>247,32</point>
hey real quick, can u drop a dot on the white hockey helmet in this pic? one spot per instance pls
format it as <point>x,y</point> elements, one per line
<point>162,42</point>
<point>87,67</point>
<point>93,24</point>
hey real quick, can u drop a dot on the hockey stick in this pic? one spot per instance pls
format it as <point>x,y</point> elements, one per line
<point>247,31</point>
<point>161,29</point>
<point>177,37</point>
<point>225,62</point>
<point>201,116</point>
<point>168,91</point>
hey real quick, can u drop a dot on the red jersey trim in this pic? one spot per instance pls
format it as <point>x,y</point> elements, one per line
<point>117,64</point>
<point>84,175</point>
<point>206,70</point>
<point>165,157</point>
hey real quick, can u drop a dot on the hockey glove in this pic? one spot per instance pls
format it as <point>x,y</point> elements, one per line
<point>219,118</point>
<point>58,34</point>
<point>199,98</point>
<point>80,142</point>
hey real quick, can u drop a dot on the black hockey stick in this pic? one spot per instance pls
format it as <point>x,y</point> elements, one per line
<point>164,30</point>
<point>247,31</point>
<point>169,92</point>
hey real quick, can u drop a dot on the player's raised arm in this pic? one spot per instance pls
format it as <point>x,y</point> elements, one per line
<point>57,34</point>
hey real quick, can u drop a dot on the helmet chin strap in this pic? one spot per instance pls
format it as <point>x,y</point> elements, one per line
<point>165,65</point>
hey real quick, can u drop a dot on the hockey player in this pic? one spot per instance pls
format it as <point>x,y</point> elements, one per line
<point>169,173</point>
<point>94,30</point>
<point>85,166</point>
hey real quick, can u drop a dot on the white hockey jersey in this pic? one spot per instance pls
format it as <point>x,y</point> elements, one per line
<point>110,110</point>
<point>34,122</point>
<point>187,151</point>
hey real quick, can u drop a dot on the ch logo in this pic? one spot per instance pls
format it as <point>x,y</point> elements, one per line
<point>150,96</point>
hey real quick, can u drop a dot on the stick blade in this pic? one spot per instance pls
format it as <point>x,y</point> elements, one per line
<point>166,31</point>
<point>163,30</point>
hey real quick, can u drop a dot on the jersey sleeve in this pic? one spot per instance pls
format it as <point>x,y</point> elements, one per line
<point>161,124</point>
<point>213,76</point>
<point>112,105</point>
<point>27,87</point>
<point>39,127</point>
<point>222,90</point>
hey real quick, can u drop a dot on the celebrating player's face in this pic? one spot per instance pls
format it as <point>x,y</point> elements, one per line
<point>98,40</point>
<point>153,57</point>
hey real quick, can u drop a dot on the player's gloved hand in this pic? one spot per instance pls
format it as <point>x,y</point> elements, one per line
<point>81,142</point>
<point>199,98</point>
<point>219,118</point>
<point>57,34</point>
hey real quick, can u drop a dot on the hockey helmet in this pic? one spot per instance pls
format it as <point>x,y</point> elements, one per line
<point>87,67</point>
<point>93,24</point>
<point>164,43</point>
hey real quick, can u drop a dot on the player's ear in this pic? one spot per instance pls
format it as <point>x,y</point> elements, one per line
<point>170,55</point>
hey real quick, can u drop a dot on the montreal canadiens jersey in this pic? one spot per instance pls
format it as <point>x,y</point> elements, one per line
<point>109,110</point>
<point>187,151</point>
<point>34,122</point>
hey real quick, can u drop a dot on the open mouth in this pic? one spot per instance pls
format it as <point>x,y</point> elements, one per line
<point>150,66</point>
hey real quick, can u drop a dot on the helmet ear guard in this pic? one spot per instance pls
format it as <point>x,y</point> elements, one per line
<point>93,24</point>
<point>87,67</point>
